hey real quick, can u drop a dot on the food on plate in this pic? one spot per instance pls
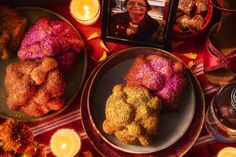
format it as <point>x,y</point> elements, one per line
<point>195,23</point>
<point>12,28</point>
<point>186,6</point>
<point>201,6</point>
<point>191,14</point>
<point>183,21</point>
<point>163,76</point>
<point>34,86</point>
<point>17,139</point>
<point>132,114</point>
<point>51,38</point>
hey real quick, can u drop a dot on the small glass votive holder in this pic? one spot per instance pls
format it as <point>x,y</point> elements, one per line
<point>65,143</point>
<point>86,12</point>
<point>220,120</point>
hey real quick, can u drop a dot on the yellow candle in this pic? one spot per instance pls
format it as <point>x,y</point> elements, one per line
<point>65,143</point>
<point>86,12</point>
<point>227,152</point>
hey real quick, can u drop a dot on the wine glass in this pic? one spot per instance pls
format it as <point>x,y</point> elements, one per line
<point>220,119</point>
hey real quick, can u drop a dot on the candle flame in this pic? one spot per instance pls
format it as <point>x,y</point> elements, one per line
<point>86,10</point>
<point>63,145</point>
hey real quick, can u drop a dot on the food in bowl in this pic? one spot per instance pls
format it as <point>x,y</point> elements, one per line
<point>163,76</point>
<point>51,38</point>
<point>17,140</point>
<point>190,15</point>
<point>12,28</point>
<point>132,114</point>
<point>34,86</point>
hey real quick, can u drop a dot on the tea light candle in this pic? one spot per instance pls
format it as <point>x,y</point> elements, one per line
<point>65,143</point>
<point>227,152</point>
<point>85,12</point>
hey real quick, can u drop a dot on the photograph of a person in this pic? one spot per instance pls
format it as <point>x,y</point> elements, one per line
<point>135,23</point>
<point>141,21</point>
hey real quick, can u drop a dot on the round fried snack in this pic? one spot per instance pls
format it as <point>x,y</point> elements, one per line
<point>12,28</point>
<point>132,114</point>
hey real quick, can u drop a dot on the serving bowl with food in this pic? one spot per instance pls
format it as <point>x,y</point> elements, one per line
<point>192,17</point>
<point>129,107</point>
<point>43,76</point>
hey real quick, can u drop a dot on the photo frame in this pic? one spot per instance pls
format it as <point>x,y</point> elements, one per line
<point>138,22</point>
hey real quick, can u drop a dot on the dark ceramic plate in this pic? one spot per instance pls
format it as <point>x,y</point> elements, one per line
<point>73,81</point>
<point>173,125</point>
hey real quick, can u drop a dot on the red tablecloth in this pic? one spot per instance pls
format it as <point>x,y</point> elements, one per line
<point>205,146</point>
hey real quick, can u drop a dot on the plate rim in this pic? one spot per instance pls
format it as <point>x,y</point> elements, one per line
<point>81,106</point>
<point>122,52</point>
<point>85,58</point>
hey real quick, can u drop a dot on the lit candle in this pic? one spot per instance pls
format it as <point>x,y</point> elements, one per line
<point>65,143</point>
<point>86,12</point>
<point>227,152</point>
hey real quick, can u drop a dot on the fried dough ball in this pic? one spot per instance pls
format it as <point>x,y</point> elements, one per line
<point>132,114</point>
<point>195,23</point>
<point>12,27</point>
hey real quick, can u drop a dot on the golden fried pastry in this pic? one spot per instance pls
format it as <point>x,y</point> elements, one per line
<point>186,6</point>
<point>16,138</point>
<point>12,28</point>
<point>132,114</point>
<point>34,86</point>
<point>182,21</point>
<point>195,23</point>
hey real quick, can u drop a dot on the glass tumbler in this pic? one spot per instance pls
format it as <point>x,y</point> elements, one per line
<point>220,119</point>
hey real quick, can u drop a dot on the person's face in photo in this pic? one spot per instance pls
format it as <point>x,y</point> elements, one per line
<point>137,10</point>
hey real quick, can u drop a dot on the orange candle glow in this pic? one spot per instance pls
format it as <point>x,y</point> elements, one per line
<point>65,143</point>
<point>227,152</point>
<point>86,12</point>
